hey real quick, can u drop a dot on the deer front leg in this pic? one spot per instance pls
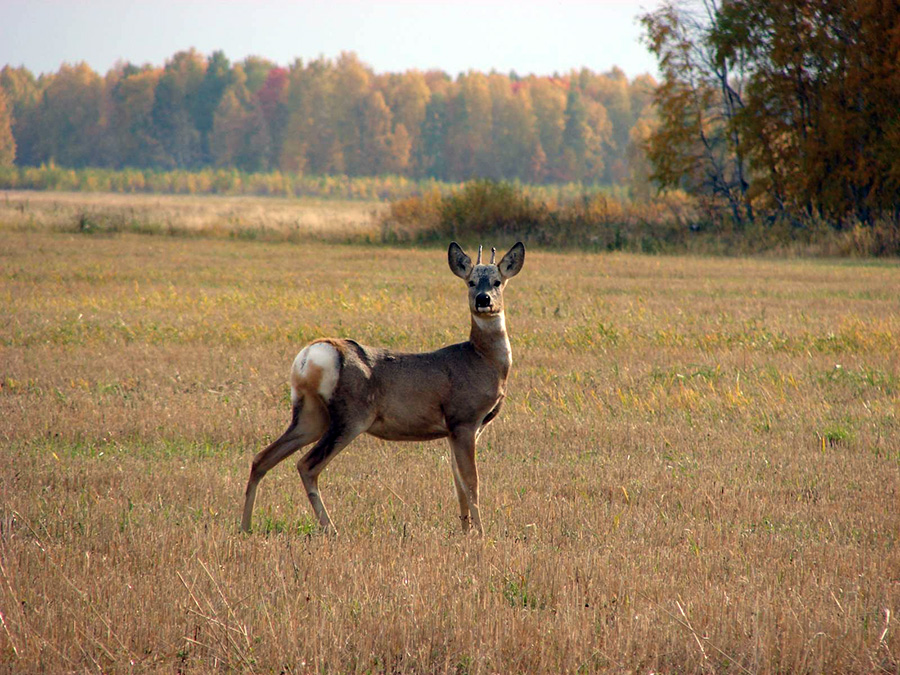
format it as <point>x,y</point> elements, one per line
<point>465,474</point>
<point>460,495</point>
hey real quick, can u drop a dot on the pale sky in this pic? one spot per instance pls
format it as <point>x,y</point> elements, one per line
<point>528,36</point>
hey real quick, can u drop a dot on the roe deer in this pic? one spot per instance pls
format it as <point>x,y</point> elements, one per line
<point>341,389</point>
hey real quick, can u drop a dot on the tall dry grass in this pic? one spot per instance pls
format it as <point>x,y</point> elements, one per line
<point>697,468</point>
<point>237,217</point>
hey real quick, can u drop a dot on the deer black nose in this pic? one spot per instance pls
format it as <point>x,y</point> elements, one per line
<point>482,300</point>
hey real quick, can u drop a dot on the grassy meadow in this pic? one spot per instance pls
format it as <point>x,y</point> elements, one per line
<point>697,468</point>
<point>209,216</point>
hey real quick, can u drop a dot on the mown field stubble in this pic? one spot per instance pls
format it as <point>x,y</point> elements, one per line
<point>697,467</point>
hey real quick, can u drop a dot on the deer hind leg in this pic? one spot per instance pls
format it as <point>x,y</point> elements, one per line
<point>308,423</point>
<point>341,431</point>
<point>465,474</point>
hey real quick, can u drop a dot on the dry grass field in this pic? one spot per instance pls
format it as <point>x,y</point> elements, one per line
<point>697,468</point>
<point>263,218</point>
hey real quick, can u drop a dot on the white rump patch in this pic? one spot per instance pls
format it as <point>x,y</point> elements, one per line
<point>317,362</point>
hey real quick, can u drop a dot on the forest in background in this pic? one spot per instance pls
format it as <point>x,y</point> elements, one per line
<point>780,110</point>
<point>772,122</point>
<point>330,117</point>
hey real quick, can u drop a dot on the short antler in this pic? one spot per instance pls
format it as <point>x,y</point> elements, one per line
<point>479,256</point>
<point>493,254</point>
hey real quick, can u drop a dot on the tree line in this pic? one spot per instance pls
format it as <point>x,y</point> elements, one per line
<point>770,114</point>
<point>780,109</point>
<point>327,117</point>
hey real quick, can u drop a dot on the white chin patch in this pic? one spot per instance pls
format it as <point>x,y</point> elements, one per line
<point>483,310</point>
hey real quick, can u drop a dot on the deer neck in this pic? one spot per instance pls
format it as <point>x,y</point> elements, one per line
<point>489,338</point>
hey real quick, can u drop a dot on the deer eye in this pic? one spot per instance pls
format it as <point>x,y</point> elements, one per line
<point>496,284</point>
<point>471,284</point>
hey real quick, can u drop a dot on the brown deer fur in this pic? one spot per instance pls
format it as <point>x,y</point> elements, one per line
<point>341,389</point>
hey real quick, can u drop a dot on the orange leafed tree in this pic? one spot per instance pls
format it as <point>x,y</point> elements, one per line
<point>7,142</point>
<point>327,116</point>
<point>788,106</point>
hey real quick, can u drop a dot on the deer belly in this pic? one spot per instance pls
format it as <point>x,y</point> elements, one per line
<point>412,425</point>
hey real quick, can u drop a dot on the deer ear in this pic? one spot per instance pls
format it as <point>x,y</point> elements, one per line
<point>511,264</point>
<point>460,263</point>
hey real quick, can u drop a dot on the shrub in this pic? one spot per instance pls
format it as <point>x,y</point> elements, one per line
<point>881,238</point>
<point>412,219</point>
<point>484,209</point>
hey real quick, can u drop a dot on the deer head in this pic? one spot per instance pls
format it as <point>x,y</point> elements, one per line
<point>486,281</point>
